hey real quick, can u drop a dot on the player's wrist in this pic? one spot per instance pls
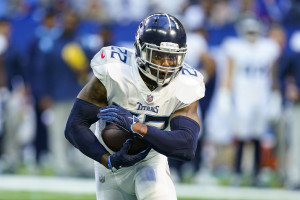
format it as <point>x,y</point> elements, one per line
<point>104,160</point>
<point>139,129</point>
<point>110,165</point>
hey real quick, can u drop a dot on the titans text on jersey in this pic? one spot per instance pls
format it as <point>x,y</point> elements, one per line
<point>148,108</point>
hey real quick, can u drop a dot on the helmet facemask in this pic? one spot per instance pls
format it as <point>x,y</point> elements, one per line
<point>160,63</point>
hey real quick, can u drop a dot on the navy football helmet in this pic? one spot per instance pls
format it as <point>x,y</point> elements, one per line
<point>160,44</point>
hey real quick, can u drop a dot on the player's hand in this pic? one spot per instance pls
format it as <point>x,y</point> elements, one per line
<point>123,159</point>
<point>119,116</point>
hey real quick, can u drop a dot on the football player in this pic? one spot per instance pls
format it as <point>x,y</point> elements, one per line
<point>152,94</point>
<point>251,80</point>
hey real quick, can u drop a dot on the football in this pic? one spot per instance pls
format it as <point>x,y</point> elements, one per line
<point>114,137</point>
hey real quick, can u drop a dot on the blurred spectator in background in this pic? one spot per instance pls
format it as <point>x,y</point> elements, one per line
<point>18,120</point>
<point>278,123</point>
<point>218,13</point>
<point>250,81</point>
<point>41,45</point>
<point>290,74</point>
<point>272,11</point>
<point>92,42</point>
<point>173,7</point>
<point>126,11</point>
<point>92,10</point>
<point>3,84</point>
<point>292,14</point>
<point>107,36</point>
<point>65,72</point>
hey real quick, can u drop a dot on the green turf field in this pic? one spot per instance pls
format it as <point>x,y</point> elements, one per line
<point>13,195</point>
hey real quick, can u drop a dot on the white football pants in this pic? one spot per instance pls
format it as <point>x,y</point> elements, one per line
<point>147,180</point>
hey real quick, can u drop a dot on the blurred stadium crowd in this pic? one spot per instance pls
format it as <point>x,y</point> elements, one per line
<point>251,130</point>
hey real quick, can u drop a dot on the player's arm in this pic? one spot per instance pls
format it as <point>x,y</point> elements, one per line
<point>179,143</point>
<point>227,82</point>
<point>189,111</point>
<point>82,116</point>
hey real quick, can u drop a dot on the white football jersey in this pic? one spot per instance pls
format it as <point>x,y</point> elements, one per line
<point>251,84</point>
<point>116,68</point>
<point>252,61</point>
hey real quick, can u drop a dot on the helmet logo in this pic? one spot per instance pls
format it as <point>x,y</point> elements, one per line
<point>149,98</point>
<point>169,45</point>
<point>102,55</point>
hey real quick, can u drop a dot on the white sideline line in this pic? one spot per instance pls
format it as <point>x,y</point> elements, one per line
<point>47,184</point>
<point>235,193</point>
<point>87,186</point>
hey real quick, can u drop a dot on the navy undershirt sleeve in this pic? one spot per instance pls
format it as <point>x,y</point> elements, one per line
<point>180,143</point>
<point>77,131</point>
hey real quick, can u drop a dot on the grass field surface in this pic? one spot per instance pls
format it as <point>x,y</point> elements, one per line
<point>25,195</point>
<point>15,187</point>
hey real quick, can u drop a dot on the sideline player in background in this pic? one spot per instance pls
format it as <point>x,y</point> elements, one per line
<point>252,84</point>
<point>161,90</point>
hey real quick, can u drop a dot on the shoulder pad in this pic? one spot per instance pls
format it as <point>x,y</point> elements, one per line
<point>232,46</point>
<point>190,85</point>
<point>100,58</point>
<point>98,65</point>
<point>271,47</point>
<point>110,60</point>
<point>112,54</point>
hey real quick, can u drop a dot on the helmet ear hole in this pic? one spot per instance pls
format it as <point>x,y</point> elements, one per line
<point>139,48</point>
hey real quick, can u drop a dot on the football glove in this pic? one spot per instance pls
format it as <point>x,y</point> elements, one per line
<point>119,116</point>
<point>123,159</point>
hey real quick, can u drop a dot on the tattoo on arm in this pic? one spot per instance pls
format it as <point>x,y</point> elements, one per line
<point>189,111</point>
<point>94,92</point>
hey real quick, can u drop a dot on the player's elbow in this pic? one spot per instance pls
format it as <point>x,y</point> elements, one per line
<point>183,154</point>
<point>190,147</point>
<point>68,130</point>
<point>189,156</point>
<point>187,131</point>
<point>187,149</point>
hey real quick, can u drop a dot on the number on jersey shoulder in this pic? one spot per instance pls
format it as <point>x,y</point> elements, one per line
<point>119,54</point>
<point>187,70</point>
